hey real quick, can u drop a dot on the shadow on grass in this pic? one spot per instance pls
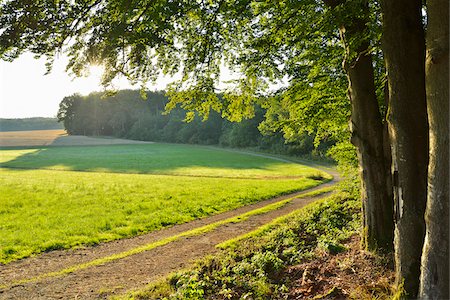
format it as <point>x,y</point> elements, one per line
<point>139,158</point>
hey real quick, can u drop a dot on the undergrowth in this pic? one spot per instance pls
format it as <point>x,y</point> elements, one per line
<point>250,267</point>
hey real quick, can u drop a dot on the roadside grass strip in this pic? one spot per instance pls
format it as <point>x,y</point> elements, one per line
<point>231,243</point>
<point>165,241</point>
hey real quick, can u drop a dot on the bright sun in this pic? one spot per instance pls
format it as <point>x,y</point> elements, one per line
<point>95,71</point>
<point>92,82</point>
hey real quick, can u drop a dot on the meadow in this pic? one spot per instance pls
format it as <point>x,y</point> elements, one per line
<point>168,159</point>
<point>63,197</point>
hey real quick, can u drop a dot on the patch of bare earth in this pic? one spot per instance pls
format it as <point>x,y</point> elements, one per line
<point>58,137</point>
<point>30,138</point>
<point>132,272</point>
<point>352,274</point>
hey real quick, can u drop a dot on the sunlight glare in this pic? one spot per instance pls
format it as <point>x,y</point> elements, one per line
<point>95,71</point>
<point>92,81</point>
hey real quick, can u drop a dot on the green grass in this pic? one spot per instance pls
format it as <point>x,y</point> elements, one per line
<point>46,209</point>
<point>154,158</point>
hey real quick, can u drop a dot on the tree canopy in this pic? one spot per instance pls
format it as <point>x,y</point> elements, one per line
<point>263,42</point>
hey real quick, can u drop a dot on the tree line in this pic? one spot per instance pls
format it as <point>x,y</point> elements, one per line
<point>127,115</point>
<point>29,124</point>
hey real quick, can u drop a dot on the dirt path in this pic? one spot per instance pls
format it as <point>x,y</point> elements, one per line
<point>135,271</point>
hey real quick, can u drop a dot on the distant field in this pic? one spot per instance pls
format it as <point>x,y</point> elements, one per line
<point>62,197</point>
<point>57,137</point>
<point>30,138</point>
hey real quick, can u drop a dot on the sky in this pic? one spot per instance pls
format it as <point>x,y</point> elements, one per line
<point>26,92</point>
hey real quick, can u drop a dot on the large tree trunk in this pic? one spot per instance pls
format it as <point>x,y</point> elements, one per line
<point>367,136</point>
<point>404,51</point>
<point>434,283</point>
<point>367,133</point>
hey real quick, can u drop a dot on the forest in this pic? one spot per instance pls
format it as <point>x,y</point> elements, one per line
<point>127,115</point>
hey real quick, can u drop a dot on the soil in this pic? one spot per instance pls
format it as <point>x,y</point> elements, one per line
<point>352,274</point>
<point>133,272</point>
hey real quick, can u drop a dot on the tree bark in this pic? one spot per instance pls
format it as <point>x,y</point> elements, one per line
<point>368,135</point>
<point>404,52</point>
<point>434,280</point>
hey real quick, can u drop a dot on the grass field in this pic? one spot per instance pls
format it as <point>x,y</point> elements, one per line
<point>154,159</point>
<point>62,197</point>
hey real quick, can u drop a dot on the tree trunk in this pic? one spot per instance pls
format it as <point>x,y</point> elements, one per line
<point>368,135</point>
<point>434,280</point>
<point>404,52</point>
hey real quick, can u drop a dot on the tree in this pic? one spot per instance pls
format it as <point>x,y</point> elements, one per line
<point>367,127</point>
<point>404,52</point>
<point>67,112</point>
<point>434,280</point>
